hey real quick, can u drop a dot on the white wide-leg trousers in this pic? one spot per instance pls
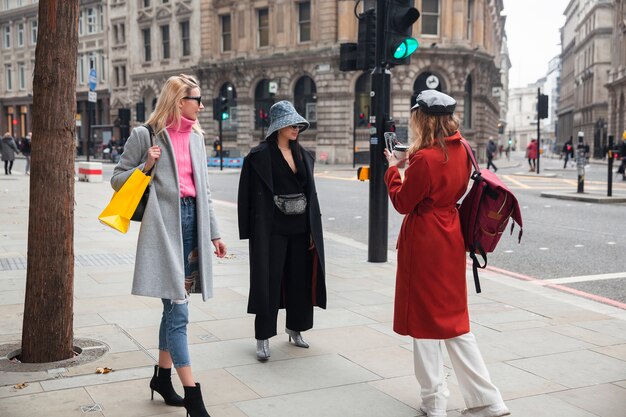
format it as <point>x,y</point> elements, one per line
<point>469,367</point>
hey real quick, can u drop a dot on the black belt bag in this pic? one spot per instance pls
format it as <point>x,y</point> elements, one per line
<point>291,204</point>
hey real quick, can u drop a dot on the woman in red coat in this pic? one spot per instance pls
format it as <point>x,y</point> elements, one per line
<point>531,153</point>
<point>431,294</point>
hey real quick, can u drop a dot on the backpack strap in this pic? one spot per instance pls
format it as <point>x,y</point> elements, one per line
<point>470,154</point>
<point>476,263</point>
<point>151,131</point>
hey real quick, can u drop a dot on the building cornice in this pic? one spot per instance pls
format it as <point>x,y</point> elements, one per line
<point>19,13</point>
<point>593,35</point>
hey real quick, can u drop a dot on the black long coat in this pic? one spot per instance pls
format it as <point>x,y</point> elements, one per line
<point>255,206</point>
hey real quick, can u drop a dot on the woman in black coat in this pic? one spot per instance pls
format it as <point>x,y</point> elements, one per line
<point>280,215</point>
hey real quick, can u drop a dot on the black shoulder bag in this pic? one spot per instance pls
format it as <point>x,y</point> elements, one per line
<point>141,207</point>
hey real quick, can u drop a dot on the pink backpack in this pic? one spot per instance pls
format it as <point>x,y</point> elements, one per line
<point>484,213</point>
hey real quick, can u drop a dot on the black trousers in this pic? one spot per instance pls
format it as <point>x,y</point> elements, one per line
<point>289,281</point>
<point>8,166</point>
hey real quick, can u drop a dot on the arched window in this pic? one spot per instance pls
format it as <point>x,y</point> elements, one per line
<point>426,81</point>
<point>263,100</point>
<point>305,99</point>
<point>228,91</point>
<point>362,100</point>
<point>467,106</point>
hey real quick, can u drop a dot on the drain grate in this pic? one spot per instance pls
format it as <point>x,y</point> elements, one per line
<point>96,259</point>
<point>91,408</point>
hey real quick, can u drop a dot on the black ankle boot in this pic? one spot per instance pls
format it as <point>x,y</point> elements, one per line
<point>193,402</point>
<point>161,382</point>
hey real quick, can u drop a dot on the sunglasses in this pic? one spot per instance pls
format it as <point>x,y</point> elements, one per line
<point>296,126</point>
<point>197,98</point>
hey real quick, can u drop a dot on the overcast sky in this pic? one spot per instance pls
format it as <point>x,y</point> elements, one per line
<point>532,28</point>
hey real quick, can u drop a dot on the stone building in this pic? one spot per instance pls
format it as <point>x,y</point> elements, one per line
<point>522,115</point>
<point>258,52</point>
<point>19,25</point>
<point>586,63</point>
<point>616,82</point>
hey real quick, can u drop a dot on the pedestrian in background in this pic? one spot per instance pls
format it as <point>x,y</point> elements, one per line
<point>622,154</point>
<point>280,215</point>
<point>178,228</point>
<point>491,151</point>
<point>431,293</point>
<point>531,154</point>
<point>8,149</point>
<point>25,149</point>
<point>568,151</point>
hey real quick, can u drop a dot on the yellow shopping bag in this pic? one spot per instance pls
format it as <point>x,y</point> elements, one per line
<point>123,204</point>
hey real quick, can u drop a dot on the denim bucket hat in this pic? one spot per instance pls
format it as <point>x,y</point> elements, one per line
<point>283,114</point>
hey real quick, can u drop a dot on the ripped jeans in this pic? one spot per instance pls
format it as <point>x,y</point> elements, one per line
<point>173,328</point>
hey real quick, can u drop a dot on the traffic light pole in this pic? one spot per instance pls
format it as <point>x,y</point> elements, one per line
<point>538,130</point>
<point>219,124</point>
<point>378,204</point>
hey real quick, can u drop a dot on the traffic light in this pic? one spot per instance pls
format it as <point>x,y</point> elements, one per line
<point>220,108</point>
<point>399,45</point>
<point>542,106</point>
<point>361,55</point>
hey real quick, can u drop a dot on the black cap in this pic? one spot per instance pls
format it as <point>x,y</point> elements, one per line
<point>435,103</point>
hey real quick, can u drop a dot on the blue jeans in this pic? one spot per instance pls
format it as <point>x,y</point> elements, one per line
<point>173,328</point>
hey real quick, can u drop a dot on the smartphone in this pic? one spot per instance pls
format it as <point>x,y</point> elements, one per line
<point>390,140</point>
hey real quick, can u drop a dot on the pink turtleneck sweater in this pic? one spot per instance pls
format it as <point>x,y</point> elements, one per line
<point>180,143</point>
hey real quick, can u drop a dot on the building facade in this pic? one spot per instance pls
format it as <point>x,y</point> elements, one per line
<point>616,83</point>
<point>522,115</point>
<point>260,52</point>
<point>257,52</point>
<point>586,58</point>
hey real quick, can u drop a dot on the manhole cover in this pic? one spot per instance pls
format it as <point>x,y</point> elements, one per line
<point>88,349</point>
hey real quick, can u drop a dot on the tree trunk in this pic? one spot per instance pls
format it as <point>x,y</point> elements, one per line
<point>47,335</point>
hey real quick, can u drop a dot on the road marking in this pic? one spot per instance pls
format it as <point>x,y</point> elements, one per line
<point>598,298</point>
<point>582,278</point>
<point>611,243</point>
<point>579,246</point>
<point>516,182</point>
<point>543,248</point>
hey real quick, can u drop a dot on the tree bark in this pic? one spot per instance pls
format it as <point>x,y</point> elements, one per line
<point>47,334</point>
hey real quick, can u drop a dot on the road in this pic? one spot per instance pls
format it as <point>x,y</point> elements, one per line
<point>561,239</point>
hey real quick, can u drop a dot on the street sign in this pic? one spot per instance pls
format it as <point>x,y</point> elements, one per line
<point>92,80</point>
<point>92,97</point>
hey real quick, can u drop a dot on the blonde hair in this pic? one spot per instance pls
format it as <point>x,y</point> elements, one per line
<point>167,109</point>
<point>430,131</point>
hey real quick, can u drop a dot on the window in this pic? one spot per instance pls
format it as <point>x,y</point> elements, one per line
<point>467,106</point>
<point>184,38</point>
<point>100,19</point>
<point>91,20</point>
<point>20,34</point>
<point>7,76</point>
<point>304,21</point>
<point>81,69</point>
<point>305,99</point>
<point>165,40</point>
<point>263,100</point>
<point>80,22</point>
<point>147,54</point>
<point>102,67</point>
<point>146,3</point>
<point>362,100</point>
<point>264,27</point>
<point>122,32</point>
<point>226,33</point>
<point>7,37</point>
<point>92,60</point>
<point>430,17</point>
<point>470,17</point>
<point>33,31</point>
<point>21,76</point>
<point>120,76</point>
<point>7,4</point>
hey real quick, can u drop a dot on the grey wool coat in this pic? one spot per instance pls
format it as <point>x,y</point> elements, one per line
<point>159,267</point>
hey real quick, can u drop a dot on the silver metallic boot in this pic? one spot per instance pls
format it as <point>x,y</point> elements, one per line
<point>263,349</point>
<point>297,338</point>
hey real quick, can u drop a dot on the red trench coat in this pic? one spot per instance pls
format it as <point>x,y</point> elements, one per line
<point>431,292</point>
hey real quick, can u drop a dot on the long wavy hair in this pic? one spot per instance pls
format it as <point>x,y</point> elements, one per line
<point>430,131</point>
<point>293,144</point>
<point>167,109</point>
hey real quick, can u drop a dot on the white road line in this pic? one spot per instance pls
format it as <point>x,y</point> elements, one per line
<point>582,278</point>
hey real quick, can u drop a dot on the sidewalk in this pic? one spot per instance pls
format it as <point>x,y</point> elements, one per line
<point>551,353</point>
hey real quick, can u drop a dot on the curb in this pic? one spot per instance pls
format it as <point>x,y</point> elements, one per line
<point>587,198</point>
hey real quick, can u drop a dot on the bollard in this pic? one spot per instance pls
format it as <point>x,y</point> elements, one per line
<point>90,171</point>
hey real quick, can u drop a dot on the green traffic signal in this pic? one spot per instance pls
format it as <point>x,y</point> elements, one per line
<point>225,116</point>
<point>406,48</point>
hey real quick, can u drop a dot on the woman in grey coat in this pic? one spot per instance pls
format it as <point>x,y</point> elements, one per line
<point>8,149</point>
<point>177,230</point>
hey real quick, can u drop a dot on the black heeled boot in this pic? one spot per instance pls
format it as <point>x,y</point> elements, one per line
<point>161,382</point>
<point>194,403</point>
